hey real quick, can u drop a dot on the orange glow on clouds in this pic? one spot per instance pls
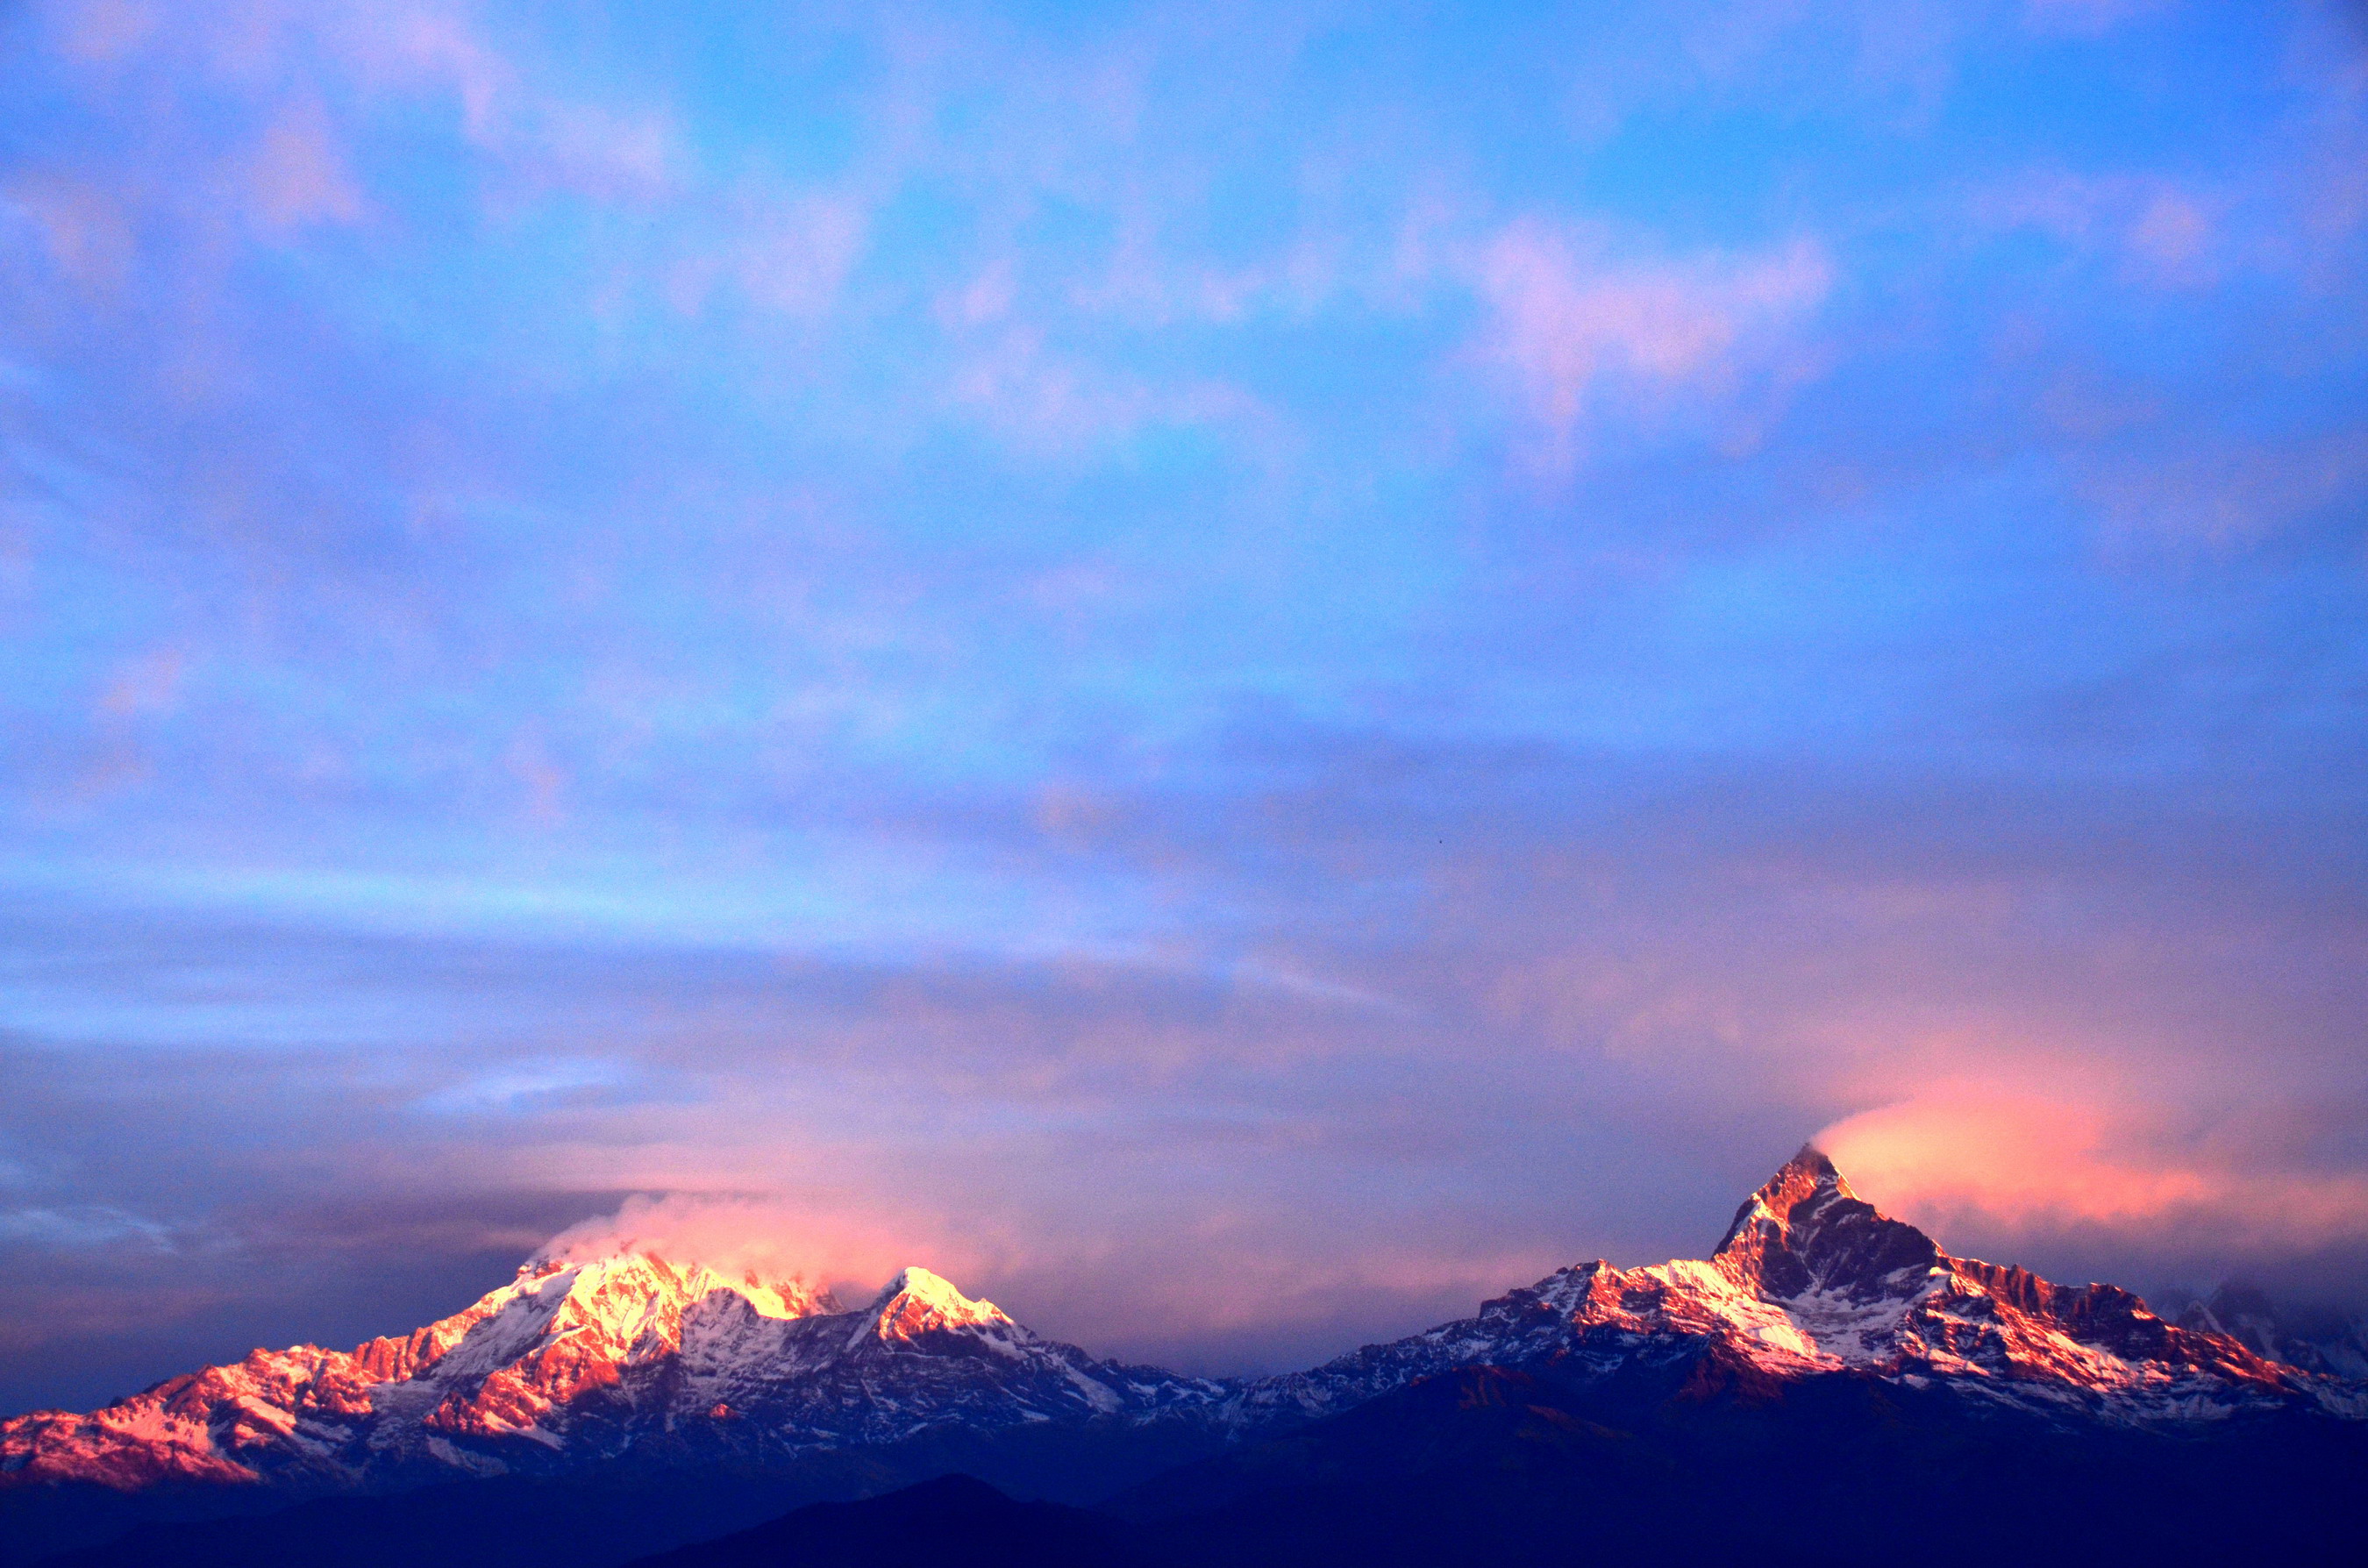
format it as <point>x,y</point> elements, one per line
<point>773,1237</point>
<point>2027,1163</point>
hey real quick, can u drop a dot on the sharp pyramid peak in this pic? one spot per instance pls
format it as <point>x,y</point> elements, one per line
<point>919,1299</point>
<point>927,1285</point>
<point>1807,1175</point>
<point>1811,1158</point>
<point>1810,1170</point>
<point>919,1280</point>
<point>1807,1229</point>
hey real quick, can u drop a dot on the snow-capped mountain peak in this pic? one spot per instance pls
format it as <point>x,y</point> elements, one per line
<point>918,1302</point>
<point>638,1273</point>
<point>586,1361</point>
<point>1808,1183</point>
<point>1805,1232</point>
<point>1810,1279</point>
<point>2336,1347</point>
<point>577,1361</point>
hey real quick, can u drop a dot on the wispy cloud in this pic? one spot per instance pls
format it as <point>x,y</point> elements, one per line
<point>1585,335</point>
<point>816,1243</point>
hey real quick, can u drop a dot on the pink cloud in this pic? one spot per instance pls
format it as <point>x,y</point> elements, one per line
<point>84,226</point>
<point>549,139</point>
<point>987,298</point>
<point>418,49</point>
<point>1297,279</point>
<point>150,684</point>
<point>1041,399</point>
<point>299,175</point>
<point>1569,322</point>
<point>1897,55</point>
<point>1972,1158</point>
<point>773,1236</point>
<point>542,777</point>
<point>104,29</point>
<point>2172,232</point>
<point>797,261</point>
<point>2226,496</point>
<point>785,254</point>
<point>2164,233</point>
<point>544,137</point>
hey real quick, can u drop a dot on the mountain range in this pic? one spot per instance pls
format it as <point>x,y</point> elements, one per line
<point>632,1402</point>
<point>2320,1342</point>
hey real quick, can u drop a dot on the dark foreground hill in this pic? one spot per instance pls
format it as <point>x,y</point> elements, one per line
<point>953,1519</point>
<point>1676,1468</point>
<point>1691,1460</point>
<point>1703,1462</point>
<point>613,1515</point>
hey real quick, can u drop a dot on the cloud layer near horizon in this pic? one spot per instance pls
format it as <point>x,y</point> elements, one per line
<point>1236,674</point>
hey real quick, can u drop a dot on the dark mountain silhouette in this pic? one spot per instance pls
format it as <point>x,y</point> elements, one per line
<point>953,1519</point>
<point>1707,1461</point>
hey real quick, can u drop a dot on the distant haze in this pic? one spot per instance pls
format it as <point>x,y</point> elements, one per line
<point>1238,674</point>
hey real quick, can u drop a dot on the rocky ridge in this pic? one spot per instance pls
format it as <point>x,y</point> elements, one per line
<point>573,1363</point>
<point>2338,1348</point>
<point>1812,1280</point>
<point>576,1363</point>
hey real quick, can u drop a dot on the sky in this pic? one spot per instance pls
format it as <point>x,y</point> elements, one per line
<point>1237,673</point>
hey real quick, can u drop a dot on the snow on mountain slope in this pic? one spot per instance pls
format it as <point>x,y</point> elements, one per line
<point>575,1362</point>
<point>2338,1348</point>
<point>1811,1279</point>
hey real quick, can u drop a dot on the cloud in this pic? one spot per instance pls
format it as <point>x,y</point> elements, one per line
<point>2224,494</point>
<point>2017,1163</point>
<point>1584,335</point>
<point>782,253</point>
<point>2173,233</point>
<point>300,175</point>
<point>82,1226</point>
<point>147,685</point>
<point>104,30</point>
<point>426,47</point>
<point>86,229</point>
<point>819,614</point>
<point>816,1242</point>
<point>1046,402</point>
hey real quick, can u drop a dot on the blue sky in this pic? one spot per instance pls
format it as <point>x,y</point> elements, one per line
<point>1327,654</point>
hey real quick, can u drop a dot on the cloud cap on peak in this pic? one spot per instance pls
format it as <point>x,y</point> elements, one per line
<point>649,1274</point>
<point>765,1240</point>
